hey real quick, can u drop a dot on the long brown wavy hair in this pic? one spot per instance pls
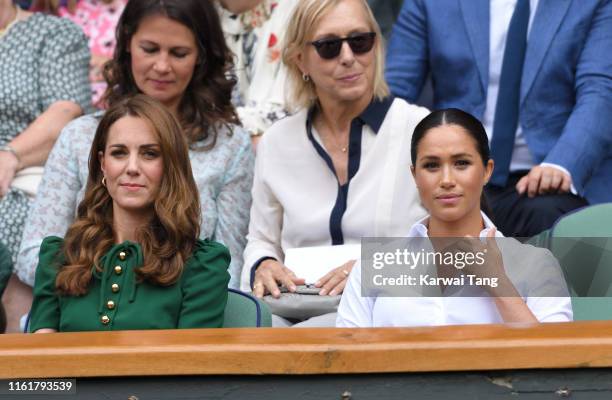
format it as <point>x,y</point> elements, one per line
<point>207,101</point>
<point>168,240</point>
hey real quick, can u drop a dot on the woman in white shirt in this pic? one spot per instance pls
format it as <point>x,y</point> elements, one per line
<point>338,169</point>
<point>451,165</point>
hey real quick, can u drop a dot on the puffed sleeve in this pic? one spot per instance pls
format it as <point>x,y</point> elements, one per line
<point>204,286</point>
<point>64,66</point>
<point>45,312</point>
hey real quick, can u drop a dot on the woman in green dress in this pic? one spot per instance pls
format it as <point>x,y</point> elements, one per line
<point>132,258</point>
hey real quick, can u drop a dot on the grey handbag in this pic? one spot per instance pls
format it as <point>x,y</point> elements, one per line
<point>302,304</point>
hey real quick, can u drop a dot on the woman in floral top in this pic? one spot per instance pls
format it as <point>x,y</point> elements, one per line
<point>98,19</point>
<point>255,37</point>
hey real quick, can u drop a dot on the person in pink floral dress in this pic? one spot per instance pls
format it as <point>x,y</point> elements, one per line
<point>98,19</point>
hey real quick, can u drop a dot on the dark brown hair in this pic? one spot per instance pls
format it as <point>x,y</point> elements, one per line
<point>169,238</point>
<point>206,103</point>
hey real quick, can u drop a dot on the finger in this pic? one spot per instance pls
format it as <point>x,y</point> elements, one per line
<point>271,286</point>
<point>339,288</point>
<point>258,289</point>
<point>349,265</point>
<point>521,186</point>
<point>294,278</point>
<point>323,280</point>
<point>566,184</point>
<point>285,280</point>
<point>491,238</point>
<point>556,181</point>
<point>332,283</point>
<point>534,182</point>
<point>298,281</point>
<point>545,182</point>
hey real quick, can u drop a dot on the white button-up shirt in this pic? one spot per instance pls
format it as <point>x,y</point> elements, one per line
<point>298,202</point>
<point>358,311</point>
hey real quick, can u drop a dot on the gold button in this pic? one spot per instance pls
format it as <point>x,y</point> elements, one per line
<point>118,269</point>
<point>105,320</point>
<point>115,288</point>
<point>110,304</point>
<point>122,255</point>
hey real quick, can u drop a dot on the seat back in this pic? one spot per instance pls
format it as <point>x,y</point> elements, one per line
<point>244,311</point>
<point>582,242</point>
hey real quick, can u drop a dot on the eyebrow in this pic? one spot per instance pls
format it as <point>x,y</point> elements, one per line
<point>152,43</point>
<point>146,146</point>
<point>336,36</point>
<point>454,156</point>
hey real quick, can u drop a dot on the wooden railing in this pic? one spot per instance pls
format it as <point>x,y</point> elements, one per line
<point>306,351</point>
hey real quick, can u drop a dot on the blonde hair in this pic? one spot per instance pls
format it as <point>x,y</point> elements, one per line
<point>307,15</point>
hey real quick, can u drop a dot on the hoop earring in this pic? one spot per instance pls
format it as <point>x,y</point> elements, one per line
<point>305,77</point>
<point>104,181</point>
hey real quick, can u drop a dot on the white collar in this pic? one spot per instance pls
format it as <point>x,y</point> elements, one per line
<point>419,229</point>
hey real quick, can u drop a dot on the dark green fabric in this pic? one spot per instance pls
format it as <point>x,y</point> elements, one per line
<point>197,300</point>
<point>582,242</point>
<point>6,267</point>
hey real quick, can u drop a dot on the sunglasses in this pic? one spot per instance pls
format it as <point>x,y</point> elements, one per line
<point>360,43</point>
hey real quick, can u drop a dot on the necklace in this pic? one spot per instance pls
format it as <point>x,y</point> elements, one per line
<point>12,22</point>
<point>336,143</point>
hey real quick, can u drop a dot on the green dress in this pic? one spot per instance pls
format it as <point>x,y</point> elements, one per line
<point>115,301</point>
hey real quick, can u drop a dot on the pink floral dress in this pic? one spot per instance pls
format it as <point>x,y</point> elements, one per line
<point>98,20</point>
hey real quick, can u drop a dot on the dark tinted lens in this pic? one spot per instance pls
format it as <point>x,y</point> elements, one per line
<point>328,48</point>
<point>361,43</point>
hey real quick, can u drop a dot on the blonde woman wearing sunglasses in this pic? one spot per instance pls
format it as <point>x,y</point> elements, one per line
<point>339,168</point>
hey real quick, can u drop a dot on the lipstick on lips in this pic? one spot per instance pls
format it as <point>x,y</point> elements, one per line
<point>132,187</point>
<point>448,199</point>
<point>160,84</point>
<point>350,78</point>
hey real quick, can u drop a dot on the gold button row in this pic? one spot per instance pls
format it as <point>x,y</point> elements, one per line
<point>122,255</point>
<point>115,288</point>
<point>118,269</point>
<point>105,319</point>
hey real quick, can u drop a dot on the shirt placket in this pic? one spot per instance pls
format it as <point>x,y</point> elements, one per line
<point>114,288</point>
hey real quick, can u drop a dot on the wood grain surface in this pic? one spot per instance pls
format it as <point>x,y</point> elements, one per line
<point>306,351</point>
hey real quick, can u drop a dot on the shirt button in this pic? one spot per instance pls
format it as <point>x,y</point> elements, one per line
<point>122,255</point>
<point>110,304</point>
<point>105,320</point>
<point>115,288</point>
<point>118,269</point>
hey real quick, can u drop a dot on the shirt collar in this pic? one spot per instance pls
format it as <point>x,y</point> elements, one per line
<point>419,229</point>
<point>373,115</point>
<point>375,112</point>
